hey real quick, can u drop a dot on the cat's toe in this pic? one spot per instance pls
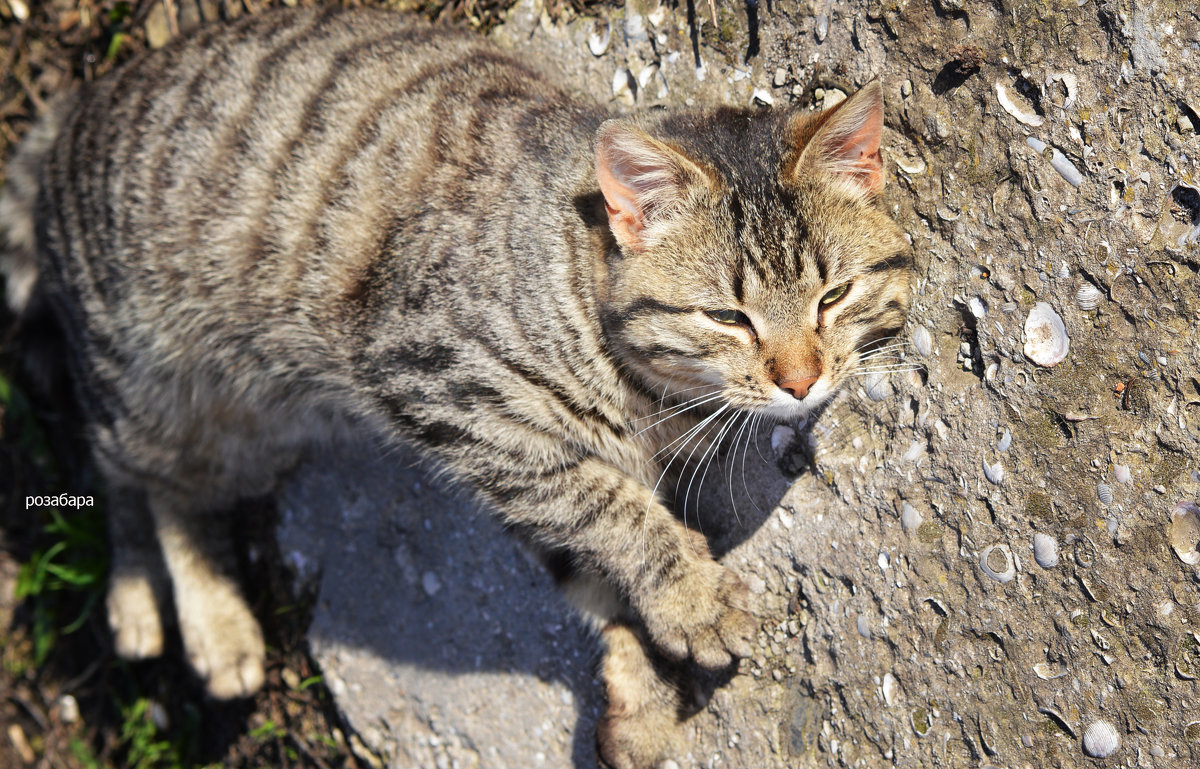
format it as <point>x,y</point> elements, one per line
<point>240,678</point>
<point>134,618</point>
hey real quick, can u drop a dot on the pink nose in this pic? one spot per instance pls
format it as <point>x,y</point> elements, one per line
<point>798,386</point>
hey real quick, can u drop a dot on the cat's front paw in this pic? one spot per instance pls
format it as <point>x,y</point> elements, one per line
<point>704,614</point>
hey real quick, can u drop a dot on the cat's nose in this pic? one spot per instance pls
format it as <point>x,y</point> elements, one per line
<point>798,385</point>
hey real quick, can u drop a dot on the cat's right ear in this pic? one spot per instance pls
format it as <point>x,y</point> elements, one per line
<point>646,183</point>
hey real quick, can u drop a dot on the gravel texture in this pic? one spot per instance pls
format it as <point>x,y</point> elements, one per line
<point>866,535</point>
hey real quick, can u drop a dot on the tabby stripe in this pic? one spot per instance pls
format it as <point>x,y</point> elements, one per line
<point>582,412</point>
<point>648,305</point>
<point>902,261</point>
<point>222,54</point>
<point>311,130</point>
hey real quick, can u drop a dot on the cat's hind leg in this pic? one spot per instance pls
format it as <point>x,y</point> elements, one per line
<point>648,697</point>
<point>221,637</point>
<point>138,587</point>
<point>648,701</point>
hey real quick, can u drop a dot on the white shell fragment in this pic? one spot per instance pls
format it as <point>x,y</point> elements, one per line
<point>1045,550</point>
<point>994,473</point>
<point>599,38</point>
<point>1121,473</point>
<point>878,386</point>
<point>1184,532</point>
<point>1070,85</point>
<point>1048,671</point>
<point>1100,740</point>
<point>1088,297</point>
<point>1005,441</point>
<point>977,307</point>
<point>1066,169</point>
<point>910,517</point>
<point>890,689</point>
<point>923,341</point>
<point>997,562</point>
<point>1105,493</point>
<point>1012,107</point>
<point>623,85</point>
<point>1046,341</point>
<point>761,96</point>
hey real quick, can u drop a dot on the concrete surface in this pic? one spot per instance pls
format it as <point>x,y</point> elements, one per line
<point>884,643</point>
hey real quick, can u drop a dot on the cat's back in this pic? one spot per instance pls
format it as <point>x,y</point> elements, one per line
<point>269,161</point>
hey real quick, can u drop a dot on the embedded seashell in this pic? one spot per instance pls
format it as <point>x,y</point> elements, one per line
<point>910,517</point>
<point>977,307</point>
<point>1045,550</point>
<point>1066,169</point>
<point>1005,441</point>
<point>997,562</point>
<point>624,87</point>
<point>890,688</point>
<point>1088,297</point>
<point>922,341</point>
<point>635,27</point>
<point>1048,671</point>
<point>1105,493</point>
<point>1085,552</point>
<point>1100,740</point>
<point>1184,532</point>
<point>994,473</point>
<point>599,37</point>
<point>1121,474</point>
<point>912,166</point>
<point>878,387</point>
<point>1017,110</point>
<point>761,97</point>
<point>1046,341</point>
<point>1058,719</point>
<point>915,452</point>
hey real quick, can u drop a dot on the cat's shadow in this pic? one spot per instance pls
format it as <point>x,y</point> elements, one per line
<point>423,599</point>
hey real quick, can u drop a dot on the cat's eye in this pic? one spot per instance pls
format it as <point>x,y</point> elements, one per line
<point>729,317</point>
<point>835,295</point>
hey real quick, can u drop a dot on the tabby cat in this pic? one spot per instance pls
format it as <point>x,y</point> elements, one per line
<point>318,224</point>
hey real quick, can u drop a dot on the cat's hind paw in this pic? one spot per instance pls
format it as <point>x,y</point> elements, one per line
<point>640,727</point>
<point>134,618</point>
<point>224,644</point>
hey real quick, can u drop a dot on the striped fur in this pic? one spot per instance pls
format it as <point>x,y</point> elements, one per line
<point>317,223</point>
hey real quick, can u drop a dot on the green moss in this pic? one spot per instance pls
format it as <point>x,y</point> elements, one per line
<point>1037,505</point>
<point>1166,468</point>
<point>920,721</point>
<point>929,532</point>
<point>1081,620</point>
<point>1044,431</point>
<point>1187,657</point>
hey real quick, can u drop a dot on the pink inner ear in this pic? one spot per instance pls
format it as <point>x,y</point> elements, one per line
<point>848,144</point>
<point>624,215</point>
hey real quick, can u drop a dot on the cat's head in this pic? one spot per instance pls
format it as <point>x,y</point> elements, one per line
<point>752,258</point>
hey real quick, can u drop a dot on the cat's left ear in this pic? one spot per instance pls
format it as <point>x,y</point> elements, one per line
<point>843,141</point>
<point>646,183</point>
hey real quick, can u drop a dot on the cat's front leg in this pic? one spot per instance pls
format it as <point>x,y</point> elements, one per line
<point>612,525</point>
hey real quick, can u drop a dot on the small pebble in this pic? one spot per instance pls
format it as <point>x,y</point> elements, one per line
<point>68,709</point>
<point>431,583</point>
